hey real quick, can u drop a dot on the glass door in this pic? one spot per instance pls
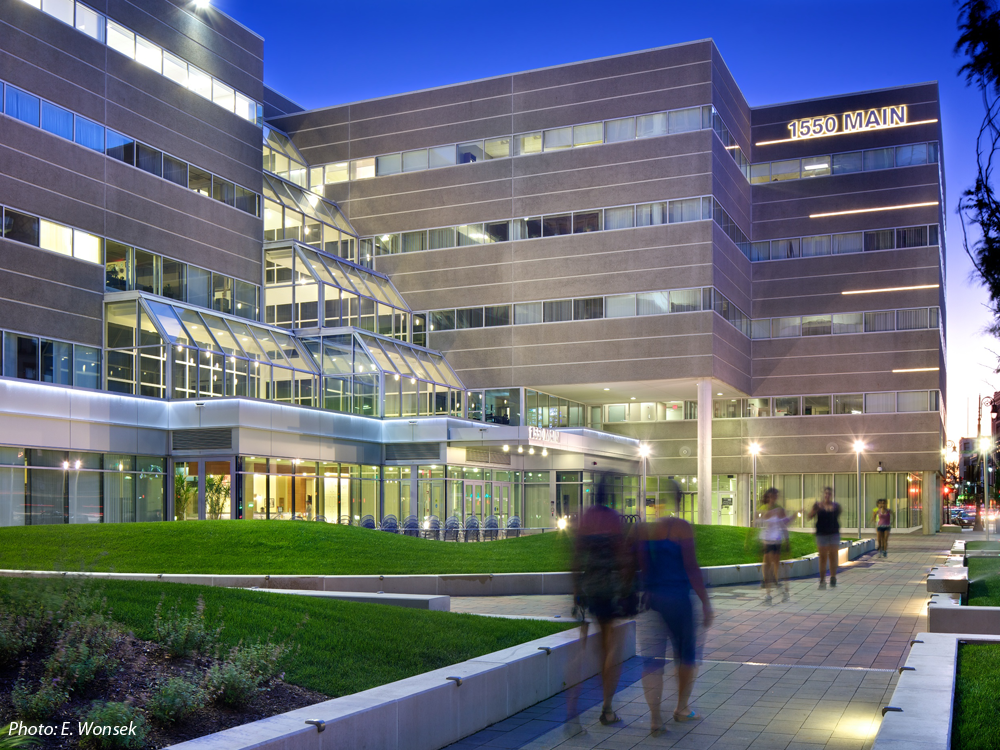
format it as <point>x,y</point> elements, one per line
<point>186,490</point>
<point>203,488</point>
<point>727,509</point>
<point>502,494</point>
<point>473,501</point>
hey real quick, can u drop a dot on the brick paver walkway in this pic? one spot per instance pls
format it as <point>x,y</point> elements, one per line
<point>809,674</point>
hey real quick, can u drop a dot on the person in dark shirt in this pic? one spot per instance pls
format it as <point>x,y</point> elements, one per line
<point>827,515</point>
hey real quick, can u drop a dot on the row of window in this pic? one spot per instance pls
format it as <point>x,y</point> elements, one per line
<point>886,402</point>
<point>534,227</point>
<point>914,319</point>
<point>853,161</point>
<point>47,361</point>
<point>850,242</point>
<point>59,121</point>
<point>554,139</point>
<point>154,57</point>
<point>591,308</point>
<point>48,235</point>
<point>132,269</point>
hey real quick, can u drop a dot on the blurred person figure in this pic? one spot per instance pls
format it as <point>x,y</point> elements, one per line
<point>827,515</point>
<point>882,517</point>
<point>602,577</point>
<point>670,572</point>
<point>773,537</point>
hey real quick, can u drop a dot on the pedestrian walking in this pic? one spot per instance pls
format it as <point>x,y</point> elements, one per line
<point>773,538</point>
<point>670,573</point>
<point>882,517</point>
<point>602,577</point>
<point>827,515</point>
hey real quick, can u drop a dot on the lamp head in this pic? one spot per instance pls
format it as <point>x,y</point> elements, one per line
<point>754,449</point>
<point>859,446</point>
<point>984,444</point>
<point>643,450</point>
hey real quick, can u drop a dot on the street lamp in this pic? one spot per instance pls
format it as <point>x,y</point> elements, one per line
<point>859,446</point>
<point>984,446</point>
<point>643,452</point>
<point>754,450</point>
<point>982,449</point>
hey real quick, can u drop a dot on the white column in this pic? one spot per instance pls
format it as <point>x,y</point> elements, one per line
<point>705,451</point>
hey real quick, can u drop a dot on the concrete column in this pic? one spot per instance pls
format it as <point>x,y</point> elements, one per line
<point>705,451</point>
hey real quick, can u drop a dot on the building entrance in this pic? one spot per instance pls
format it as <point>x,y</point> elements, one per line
<point>203,489</point>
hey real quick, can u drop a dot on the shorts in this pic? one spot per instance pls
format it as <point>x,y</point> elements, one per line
<point>772,548</point>
<point>883,528</point>
<point>603,608</point>
<point>828,540</point>
<point>678,619</point>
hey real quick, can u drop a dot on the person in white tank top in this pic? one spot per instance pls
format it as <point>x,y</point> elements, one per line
<point>773,525</point>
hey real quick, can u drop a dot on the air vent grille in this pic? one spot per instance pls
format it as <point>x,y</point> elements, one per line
<point>413,452</point>
<point>215,439</point>
<point>486,456</point>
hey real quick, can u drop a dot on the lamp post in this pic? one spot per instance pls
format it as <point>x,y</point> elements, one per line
<point>859,446</point>
<point>754,450</point>
<point>949,448</point>
<point>982,451</point>
<point>984,445</point>
<point>643,452</point>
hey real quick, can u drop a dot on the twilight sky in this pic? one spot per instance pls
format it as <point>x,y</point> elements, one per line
<point>324,52</point>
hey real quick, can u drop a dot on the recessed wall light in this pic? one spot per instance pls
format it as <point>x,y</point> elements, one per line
<point>892,289</point>
<point>873,210</point>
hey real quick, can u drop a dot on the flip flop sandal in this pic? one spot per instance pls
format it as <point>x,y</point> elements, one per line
<point>615,718</point>
<point>681,718</point>
<point>659,731</point>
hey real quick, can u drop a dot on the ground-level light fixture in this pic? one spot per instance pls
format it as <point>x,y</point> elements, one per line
<point>506,449</point>
<point>561,523</point>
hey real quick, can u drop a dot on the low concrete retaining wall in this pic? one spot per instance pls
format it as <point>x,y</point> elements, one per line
<point>950,579</point>
<point>485,584</point>
<point>947,614</point>
<point>413,601</point>
<point>429,711</point>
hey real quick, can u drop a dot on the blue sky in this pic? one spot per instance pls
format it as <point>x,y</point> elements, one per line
<point>321,52</point>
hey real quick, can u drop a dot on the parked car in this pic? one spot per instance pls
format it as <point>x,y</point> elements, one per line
<point>965,519</point>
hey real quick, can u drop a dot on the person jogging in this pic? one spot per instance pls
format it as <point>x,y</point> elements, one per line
<point>773,536</point>
<point>827,515</point>
<point>882,517</point>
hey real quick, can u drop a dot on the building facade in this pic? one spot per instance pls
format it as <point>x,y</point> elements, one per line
<point>485,304</point>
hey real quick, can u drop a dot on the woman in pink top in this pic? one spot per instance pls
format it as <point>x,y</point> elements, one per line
<point>883,523</point>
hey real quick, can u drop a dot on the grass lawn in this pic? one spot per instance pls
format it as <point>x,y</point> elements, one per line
<point>984,581</point>
<point>275,547</point>
<point>982,545</point>
<point>976,722</point>
<point>343,647</point>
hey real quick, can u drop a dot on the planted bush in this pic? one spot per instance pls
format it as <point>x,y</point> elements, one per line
<point>113,725</point>
<point>37,704</point>
<point>183,635</point>
<point>174,700</point>
<point>236,681</point>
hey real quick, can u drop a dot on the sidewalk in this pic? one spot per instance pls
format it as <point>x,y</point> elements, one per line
<point>810,674</point>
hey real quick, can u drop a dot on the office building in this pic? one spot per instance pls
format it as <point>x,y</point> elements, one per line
<point>482,304</point>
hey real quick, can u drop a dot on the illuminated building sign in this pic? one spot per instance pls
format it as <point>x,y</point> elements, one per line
<point>544,435</point>
<point>848,122</point>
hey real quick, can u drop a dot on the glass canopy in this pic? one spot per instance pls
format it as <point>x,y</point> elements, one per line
<point>305,288</point>
<point>180,352</point>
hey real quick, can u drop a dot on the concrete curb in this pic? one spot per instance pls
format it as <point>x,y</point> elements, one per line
<point>412,601</point>
<point>485,584</point>
<point>431,710</point>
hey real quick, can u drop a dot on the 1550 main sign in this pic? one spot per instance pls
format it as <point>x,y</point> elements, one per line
<point>848,122</point>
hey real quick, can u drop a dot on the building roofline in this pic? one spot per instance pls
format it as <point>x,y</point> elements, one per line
<point>499,76</point>
<point>846,93</point>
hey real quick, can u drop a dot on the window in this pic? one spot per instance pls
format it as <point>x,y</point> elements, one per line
<point>852,242</point>
<point>619,218</point>
<point>470,317</point>
<point>911,401</point>
<point>496,315</point>
<point>935,317</point>
<point>528,143</point>
<point>911,237</point>
<point>816,325</point>
<point>470,152</point>
<point>120,147</point>
<point>20,357</point>
<point>846,163</point>
<point>149,54</point>
<point>587,222</point>
<point>785,170</point>
<point>786,327</point>
<point>56,362</point>
<point>648,126</point>
<point>89,22</point>
<point>553,226</point>
<point>851,403</point>
<point>883,239</point>
<point>908,156</point>
<point>148,159</point>
<point>57,121</point>
<point>441,238</point>
<point>443,320</point>
<point>334,173</point>
<point>758,407</point>
<point>685,300</point>
<point>87,246</point>
<point>848,323</point>
<point>223,95</point>
<point>391,164</point>
<point>414,161</point>
<point>121,39</point>
<point>55,237</point>
<point>87,365</point>
<point>20,227</point>
<point>174,279</point>
<point>497,148</point>
<point>760,250</point>
<point>498,231</point>
<point>442,156</point>
<point>880,403</point>
<point>22,106</point>
<point>588,309</point>
<point>619,130</point>
<point>815,405</point>
<point>932,234</point>
<point>813,246</point>
<point>816,166</point>
<point>760,173</point>
<point>246,200</point>
<point>527,229</point>
<point>413,242</point>
<point>784,249</point>
<point>652,303</point>
<point>89,134</point>
<point>225,192</point>
<point>651,214</point>
<point>878,158</point>
<point>557,311</point>
<point>684,120</point>
<point>200,82</point>
<point>760,329</point>
<point>471,234</point>
<point>118,268</point>
<point>880,321</point>
<point>910,320</point>
<point>201,182</point>
<point>558,138</point>
<point>685,210</point>
<point>786,406</point>
<point>175,68</point>
<point>527,312</point>
<point>619,306</point>
<point>588,135</point>
<point>363,169</point>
